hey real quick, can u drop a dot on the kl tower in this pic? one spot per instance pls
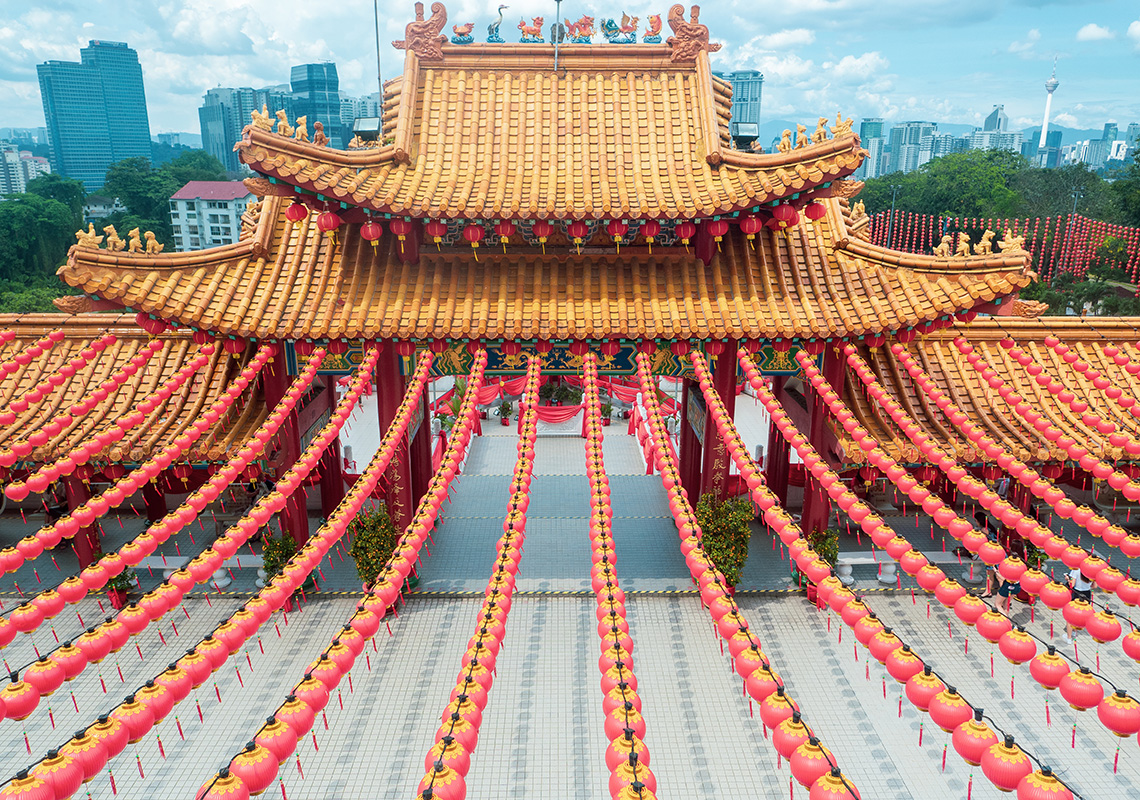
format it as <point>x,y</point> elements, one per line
<point>1050,87</point>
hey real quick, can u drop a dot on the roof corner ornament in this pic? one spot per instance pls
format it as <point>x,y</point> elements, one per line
<point>423,37</point>
<point>653,32</point>
<point>690,37</point>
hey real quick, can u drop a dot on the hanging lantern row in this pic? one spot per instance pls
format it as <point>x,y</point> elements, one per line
<point>1003,763</point>
<point>32,352</point>
<point>47,386</point>
<point>252,770</point>
<point>449,759</point>
<point>812,764</point>
<point>76,410</point>
<point>32,546</point>
<point>998,627</point>
<point>73,657</point>
<point>145,708</point>
<point>1073,556</point>
<point>627,756</point>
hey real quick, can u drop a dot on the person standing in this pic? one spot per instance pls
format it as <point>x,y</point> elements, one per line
<point>1081,587</point>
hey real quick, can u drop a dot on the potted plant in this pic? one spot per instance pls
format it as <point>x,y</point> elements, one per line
<point>373,536</point>
<point>725,534</point>
<point>119,587</point>
<point>275,554</point>
<point>607,412</point>
<point>505,409</point>
<point>546,391</point>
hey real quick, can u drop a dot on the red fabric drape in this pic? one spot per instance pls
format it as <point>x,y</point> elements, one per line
<point>558,414</point>
<point>624,393</point>
<point>514,387</point>
<point>437,454</point>
<point>488,393</point>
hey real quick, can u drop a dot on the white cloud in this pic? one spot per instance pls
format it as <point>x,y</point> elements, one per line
<point>785,40</point>
<point>1134,33</point>
<point>1094,33</point>
<point>1025,48</point>
<point>1066,119</point>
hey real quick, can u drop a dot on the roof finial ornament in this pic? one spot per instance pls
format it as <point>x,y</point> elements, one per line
<point>691,37</point>
<point>422,37</point>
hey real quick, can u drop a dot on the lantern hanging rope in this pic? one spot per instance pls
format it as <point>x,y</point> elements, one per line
<point>947,592</point>
<point>275,593</point>
<point>81,453</point>
<point>627,756</point>
<point>384,590</point>
<point>750,662</point>
<point>163,597</point>
<point>837,597</point>
<point>445,776</point>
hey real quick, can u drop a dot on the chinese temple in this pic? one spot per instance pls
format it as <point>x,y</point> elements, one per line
<point>527,211</point>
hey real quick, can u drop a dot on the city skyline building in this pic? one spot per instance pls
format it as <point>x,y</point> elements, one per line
<point>997,121</point>
<point>316,96</point>
<point>906,142</point>
<point>225,112</point>
<point>747,92</point>
<point>1050,87</point>
<point>208,213</point>
<point>95,111</point>
<point>18,167</point>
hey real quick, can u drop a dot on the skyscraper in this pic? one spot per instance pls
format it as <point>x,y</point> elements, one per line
<point>316,96</point>
<point>95,111</point>
<point>906,144</point>
<point>747,88</point>
<point>1050,87</point>
<point>871,137</point>
<point>997,121</point>
<point>224,112</point>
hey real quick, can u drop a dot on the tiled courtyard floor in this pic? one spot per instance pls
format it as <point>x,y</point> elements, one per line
<point>542,731</point>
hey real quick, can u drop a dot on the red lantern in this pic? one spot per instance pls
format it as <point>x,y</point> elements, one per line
<point>1081,689</point>
<point>371,231</point>
<point>256,766</point>
<point>750,226</point>
<point>1048,668</point>
<point>88,752</point>
<point>436,229</point>
<point>577,231</point>
<point>651,230</point>
<point>403,229</point>
<point>717,229</point>
<point>542,229</point>
<point>27,786</point>
<point>815,211</point>
<point>1103,626</point>
<point>505,229</point>
<point>949,710</point>
<point>278,738</point>
<point>296,212</point>
<point>1042,785</point>
<point>1005,764</point>
<point>685,231</point>
<point>328,222</point>
<point>223,786</point>
<point>474,233</point>
<point>617,229</point>
<point>810,762</point>
<point>1017,646</point>
<point>972,738</point>
<point>902,664</point>
<point>834,786</point>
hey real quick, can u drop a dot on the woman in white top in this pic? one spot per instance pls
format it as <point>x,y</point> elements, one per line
<point>1082,590</point>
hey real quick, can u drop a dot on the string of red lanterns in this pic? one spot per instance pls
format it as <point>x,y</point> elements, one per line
<point>811,763</point>
<point>253,770</point>
<point>39,481</point>
<point>449,758</point>
<point>1116,437</point>
<point>47,385</point>
<point>1004,764</point>
<point>28,617</point>
<point>1082,691</point>
<point>627,756</point>
<point>142,710</point>
<point>68,526</point>
<point>1073,556</point>
<point>33,351</point>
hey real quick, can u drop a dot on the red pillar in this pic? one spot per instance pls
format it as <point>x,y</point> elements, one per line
<point>155,500</point>
<point>779,452</point>
<point>390,387</point>
<point>87,543</point>
<point>275,384</point>
<point>420,453</point>
<point>690,455</point>
<point>817,504</point>
<point>716,461</point>
<point>332,476</point>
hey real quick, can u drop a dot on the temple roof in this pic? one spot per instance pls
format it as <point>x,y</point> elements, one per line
<point>286,280</point>
<point>160,428</point>
<point>941,359</point>
<point>489,131</point>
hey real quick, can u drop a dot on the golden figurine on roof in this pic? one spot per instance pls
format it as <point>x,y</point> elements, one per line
<point>985,246</point>
<point>690,37</point>
<point>1011,243</point>
<point>283,126</point>
<point>301,132</point>
<point>260,119</point>
<point>88,238</point>
<point>942,249</point>
<point>114,242</point>
<point>963,249</point>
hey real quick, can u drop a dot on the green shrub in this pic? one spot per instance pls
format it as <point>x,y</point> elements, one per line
<point>124,581</point>
<point>725,533</point>
<point>276,552</point>
<point>505,409</point>
<point>825,543</point>
<point>374,538</point>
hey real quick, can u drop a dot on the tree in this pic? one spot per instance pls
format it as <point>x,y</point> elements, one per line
<point>971,184</point>
<point>56,187</point>
<point>35,234</point>
<point>1126,187</point>
<point>1050,193</point>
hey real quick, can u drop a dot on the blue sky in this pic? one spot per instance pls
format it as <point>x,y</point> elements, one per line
<point>943,60</point>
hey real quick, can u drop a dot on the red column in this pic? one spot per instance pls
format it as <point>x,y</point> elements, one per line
<point>817,504</point>
<point>779,452</point>
<point>690,455</point>
<point>390,387</point>
<point>716,461</point>
<point>87,543</point>
<point>155,500</point>
<point>275,384</point>
<point>420,453</point>
<point>332,476</point>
